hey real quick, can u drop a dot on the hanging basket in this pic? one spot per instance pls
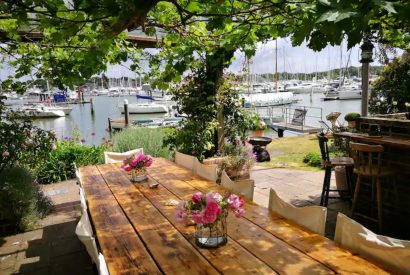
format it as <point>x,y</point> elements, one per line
<point>212,235</point>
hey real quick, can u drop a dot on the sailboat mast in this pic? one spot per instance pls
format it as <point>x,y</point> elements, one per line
<point>276,65</point>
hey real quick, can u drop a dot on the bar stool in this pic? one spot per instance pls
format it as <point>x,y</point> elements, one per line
<point>368,163</point>
<point>328,163</point>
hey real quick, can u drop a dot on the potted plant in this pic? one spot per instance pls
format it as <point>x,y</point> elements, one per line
<point>238,160</point>
<point>352,119</point>
<point>258,126</point>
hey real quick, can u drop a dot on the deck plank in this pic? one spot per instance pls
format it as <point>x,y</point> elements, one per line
<point>123,252</point>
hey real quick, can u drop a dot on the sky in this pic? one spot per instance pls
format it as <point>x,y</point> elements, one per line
<point>290,59</point>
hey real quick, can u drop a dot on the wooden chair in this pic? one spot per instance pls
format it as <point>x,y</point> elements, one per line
<point>368,163</point>
<point>328,163</point>
<point>242,187</point>
<point>311,217</point>
<point>115,157</point>
<point>391,253</point>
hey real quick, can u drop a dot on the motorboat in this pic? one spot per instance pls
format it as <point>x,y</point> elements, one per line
<point>42,112</point>
<point>268,99</point>
<point>66,109</point>
<point>303,87</point>
<point>144,108</point>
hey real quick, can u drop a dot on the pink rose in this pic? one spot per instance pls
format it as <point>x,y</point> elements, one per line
<point>127,167</point>
<point>208,216</point>
<point>234,201</point>
<point>213,207</point>
<point>197,197</point>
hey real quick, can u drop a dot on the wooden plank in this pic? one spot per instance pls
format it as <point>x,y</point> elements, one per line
<point>123,252</point>
<point>318,247</point>
<point>274,252</point>
<point>231,258</point>
<point>173,253</point>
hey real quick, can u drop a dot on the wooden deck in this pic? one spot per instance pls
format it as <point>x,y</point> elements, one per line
<point>137,231</point>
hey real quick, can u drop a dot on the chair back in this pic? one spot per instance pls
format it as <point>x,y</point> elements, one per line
<point>389,252</point>
<point>114,157</point>
<point>240,187</point>
<point>102,266</point>
<point>85,234</point>
<point>311,217</point>
<point>299,116</point>
<point>83,201</point>
<point>185,160</point>
<point>367,158</point>
<point>209,172</point>
<point>324,148</point>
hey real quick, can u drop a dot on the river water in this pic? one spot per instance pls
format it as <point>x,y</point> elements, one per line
<point>93,127</point>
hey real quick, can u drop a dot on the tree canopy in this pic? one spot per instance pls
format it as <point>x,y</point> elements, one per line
<point>81,37</point>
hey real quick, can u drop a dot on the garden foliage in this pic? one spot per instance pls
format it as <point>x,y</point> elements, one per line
<point>61,163</point>
<point>151,139</point>
<point>21,201</point>
<point>391,90</point>
<point>314,159</point>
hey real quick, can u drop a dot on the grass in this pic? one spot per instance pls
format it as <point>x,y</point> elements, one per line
<point>289,152</point>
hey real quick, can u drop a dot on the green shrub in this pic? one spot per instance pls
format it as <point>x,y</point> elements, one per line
<point>352,116</point>
<point>151,139</point>
<point>21,201</point>
<point>313,159</point>
<point>60,165</point>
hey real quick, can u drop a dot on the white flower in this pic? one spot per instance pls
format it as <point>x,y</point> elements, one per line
<point>378,103</point>
<point>217,197</point>
<point>407,104</point>
<point>394,103</point>
<point>5,154</point>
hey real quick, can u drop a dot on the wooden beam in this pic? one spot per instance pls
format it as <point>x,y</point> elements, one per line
<point>140,41</point>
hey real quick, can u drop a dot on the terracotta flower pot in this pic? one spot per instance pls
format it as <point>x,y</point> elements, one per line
<point>259,133</point>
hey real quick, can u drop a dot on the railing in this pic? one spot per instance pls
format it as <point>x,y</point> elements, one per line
<point>291,115</point>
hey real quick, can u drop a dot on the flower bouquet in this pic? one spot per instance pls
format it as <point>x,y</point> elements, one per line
<point>136,164</point>
<point>209,212</point>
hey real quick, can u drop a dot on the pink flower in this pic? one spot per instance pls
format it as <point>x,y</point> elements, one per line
<point>5,154</point>
<point>234,202</point>
<point>92,133</point>
<point>213,207</point>
<point>197,197</point>
<point>239,212</point>
<point>181,215</point>
<point>127,167</point>
<point>197,217</point>
<point>53,146</point>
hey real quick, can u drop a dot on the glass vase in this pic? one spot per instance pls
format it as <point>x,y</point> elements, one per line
<point>212,235</point>
<point>138,175</point>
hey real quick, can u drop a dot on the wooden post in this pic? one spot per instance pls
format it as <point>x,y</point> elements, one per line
<point>221,129</point>
<point>365,88</point>
<point>109,125</point>
<point>92,105</point>
<point>82,96</point>
<point>126,115</point>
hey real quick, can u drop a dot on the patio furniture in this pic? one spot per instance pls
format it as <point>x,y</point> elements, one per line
<point>240,187</point>
<point>329,163</point>
<point>185,160</point>
<point>206,171</point>
<point>310,217</point>
<point>137,231</point>
<point>368,163</point>
<point>392,253</point>
<point>114,157</point>
<point>259,148</point>
<point>336,125</point>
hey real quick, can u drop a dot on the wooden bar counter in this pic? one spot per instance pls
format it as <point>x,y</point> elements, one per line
<point>395,138</point>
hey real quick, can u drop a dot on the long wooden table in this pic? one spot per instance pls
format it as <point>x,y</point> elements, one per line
<point>138,234</point>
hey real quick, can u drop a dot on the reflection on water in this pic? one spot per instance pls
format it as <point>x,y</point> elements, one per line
<point>93,127</point>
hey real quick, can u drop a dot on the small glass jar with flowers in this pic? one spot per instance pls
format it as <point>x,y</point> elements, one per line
<point>209,212</point>
<point>136,165</point>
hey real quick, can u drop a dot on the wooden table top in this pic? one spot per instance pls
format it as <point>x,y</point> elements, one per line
<point>137,232</point>
<point>384,140</point>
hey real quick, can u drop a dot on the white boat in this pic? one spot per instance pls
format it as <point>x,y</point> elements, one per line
<point>344,93</point>
<point>141,108</point>
<point>303,87</point>
<point>42,112</point>
<point>66,109</point>
<point>268,99</point>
